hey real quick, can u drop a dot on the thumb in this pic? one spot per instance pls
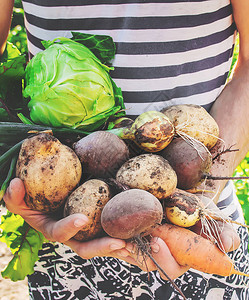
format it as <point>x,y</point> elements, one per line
<point>160,251</point>
<point>14,196</point>
<point>229,239</point>
<point>64,229</point>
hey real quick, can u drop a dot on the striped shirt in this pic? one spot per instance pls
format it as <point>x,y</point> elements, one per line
<point>167,52</point>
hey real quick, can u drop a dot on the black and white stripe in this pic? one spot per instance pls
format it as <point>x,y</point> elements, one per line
<point>229,204</point>
<point>167,51</point>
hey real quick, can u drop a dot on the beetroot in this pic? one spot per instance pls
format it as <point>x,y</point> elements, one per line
<point>190,162</point>
<point>131,213</point>
<point>101,153</point>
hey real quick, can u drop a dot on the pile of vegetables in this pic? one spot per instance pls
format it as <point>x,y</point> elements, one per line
<point>70,160</point>
<point>66,90</point>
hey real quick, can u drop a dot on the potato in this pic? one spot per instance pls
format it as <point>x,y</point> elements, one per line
<point>49,170</point>
<point>183,209</point>
<point>152,131</point>
<point>194,121</point>
<point>88,199</point>
<point>148,172</point>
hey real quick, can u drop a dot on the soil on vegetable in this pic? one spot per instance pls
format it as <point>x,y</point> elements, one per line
<point>10,290</point>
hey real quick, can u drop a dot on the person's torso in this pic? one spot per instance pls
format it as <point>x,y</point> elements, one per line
<point>168,52</point>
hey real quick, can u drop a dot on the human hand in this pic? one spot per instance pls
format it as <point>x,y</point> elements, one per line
<point>61,230</point>
<point>224,233</point>
<point>160,252</point>
<point>220,231</point>
<point>64,229</point>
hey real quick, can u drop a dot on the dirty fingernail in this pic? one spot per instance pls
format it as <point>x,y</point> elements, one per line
<point>80,222</point>
<point>155,248</point>
<point>116,246</point>
<point>122,253</point>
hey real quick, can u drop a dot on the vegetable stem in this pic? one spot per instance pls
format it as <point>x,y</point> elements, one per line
<point>11,132</point>
<point>123,133</point>
<point>208,176</point>
<point>7,110</point>
<point>8,155</point>
<point>142,246</point>
<point>9,176</point>
<point>217,218</point>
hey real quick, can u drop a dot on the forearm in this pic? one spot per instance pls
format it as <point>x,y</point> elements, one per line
<point>232,106</point>
<point>231,113</point>
<point>6,7</point>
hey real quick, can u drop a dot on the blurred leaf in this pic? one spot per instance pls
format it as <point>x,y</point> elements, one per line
<point>17,34</point>
<point>24,243</point>
<point>12,67</point>
<point>4,117</point>
<point>12,64</point>
<point>242,186</point>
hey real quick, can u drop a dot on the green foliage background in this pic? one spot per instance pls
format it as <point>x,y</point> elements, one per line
<point>242,186</point>
<point>17,36</point>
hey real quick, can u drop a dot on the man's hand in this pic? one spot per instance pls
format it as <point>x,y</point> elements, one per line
<point>222,231</point>
<point>161,254</point>
<point>63,231</point>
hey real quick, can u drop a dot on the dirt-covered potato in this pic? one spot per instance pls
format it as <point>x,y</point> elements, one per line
<point>50,171</point>
<point>149,172</point>
<point>89,199</point>
<point>152,131</point>
<point>194,121</point>
<point>183,209</point>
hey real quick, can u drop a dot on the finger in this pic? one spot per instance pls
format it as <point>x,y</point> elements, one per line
<point>14,196</point>
<point>161,255</point>
<point>160,251</point>
<point>53,230</point>
<point>220,232</point>
<point>229,239</point>
<point>62,230</point>
<point>105,246</point>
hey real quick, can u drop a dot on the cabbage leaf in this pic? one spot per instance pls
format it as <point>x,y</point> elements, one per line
<point>101,45</point>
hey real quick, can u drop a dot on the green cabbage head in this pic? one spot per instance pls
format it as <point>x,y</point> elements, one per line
<point>68,86</point>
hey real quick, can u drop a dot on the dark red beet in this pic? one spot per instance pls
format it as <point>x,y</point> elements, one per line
<point>131,213</point>
<point>190,162</point>
<point>101,154</point>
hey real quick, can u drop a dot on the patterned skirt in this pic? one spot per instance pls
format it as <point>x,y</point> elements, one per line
<point>61,274</point>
